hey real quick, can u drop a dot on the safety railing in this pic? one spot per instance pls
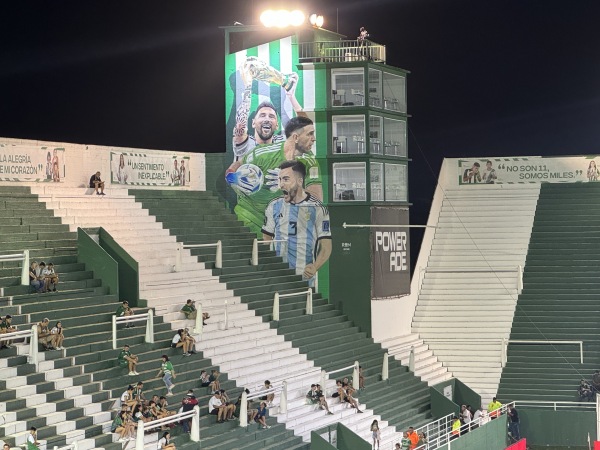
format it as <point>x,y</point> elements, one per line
<point>555,406</point>
<point>518,271</point>
<point>218,257</point>
<point>355,374</point>
<point>145,317</point>
<point>255,243</point>
<point>199,324</point>
<point>259,394</point>
<point>506,342</point>
<point>32,335</point>
<point>309,303</point>
<point>176,418</point>
<point>24,257</point>
<point>342,50</point>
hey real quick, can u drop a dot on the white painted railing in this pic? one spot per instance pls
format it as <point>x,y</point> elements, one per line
<point>24,270</point>
<point>555,406</point>
<point>355,381</point>
<point>218,258</point>
<point>255,248</point>
<point>506,342</point>
<point>309,302</point>
<point>199,325</point>
<point>176,418</point>
<point>145,317</point>
<point>273,390</point>
<point>32,335</point>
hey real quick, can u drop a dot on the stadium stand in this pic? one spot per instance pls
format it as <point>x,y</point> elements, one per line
<point>559,299</point>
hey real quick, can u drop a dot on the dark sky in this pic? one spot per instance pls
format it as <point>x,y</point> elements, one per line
<point>488,77</point>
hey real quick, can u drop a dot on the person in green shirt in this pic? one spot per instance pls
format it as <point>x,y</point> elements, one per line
<point>168,372</point>
<point>405,441</point>
<point>300,138</point>
<point>127,359</point>
<point>123,311</point>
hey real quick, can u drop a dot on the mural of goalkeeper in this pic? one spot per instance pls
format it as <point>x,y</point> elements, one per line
<point>256,176</point>
<point>266,121</point>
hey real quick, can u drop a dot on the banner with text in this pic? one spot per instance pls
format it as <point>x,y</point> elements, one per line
<point>529,169</point>
<point>31,163</point>
<point>390,255</point>
<point>149,170</point>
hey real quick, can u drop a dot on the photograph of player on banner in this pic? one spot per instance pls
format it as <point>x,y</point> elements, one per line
<point>32,163</point>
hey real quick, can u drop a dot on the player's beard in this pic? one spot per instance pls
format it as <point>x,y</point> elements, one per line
<point>266,133</point>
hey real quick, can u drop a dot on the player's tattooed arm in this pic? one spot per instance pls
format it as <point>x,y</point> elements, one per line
<point>240,131</point>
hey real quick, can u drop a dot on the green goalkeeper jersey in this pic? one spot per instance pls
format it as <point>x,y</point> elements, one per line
<point>251,208</point>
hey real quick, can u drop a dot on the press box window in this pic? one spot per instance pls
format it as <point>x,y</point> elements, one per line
<point>395,137</point>
<point>347,87</point>
<point>376,182</point>
<point>348,134</point>
<point>375,134</point>
<point>349,182</point>
<point>394,92</point>
<point>375,94</point>
<point>396,182</point>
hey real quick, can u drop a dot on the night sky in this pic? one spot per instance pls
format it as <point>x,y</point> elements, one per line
<point>502,77</point>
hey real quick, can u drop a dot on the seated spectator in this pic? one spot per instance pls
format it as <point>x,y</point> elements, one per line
<point>204,379</point>
<point>168,372</point>
<point>137,415</point>
<point>164,406</point>
<point>214,380</point>
<point>190,311</point>
<point>128,399</point>
<point>178,342</point>
<point>138,393</point>
<point>251,411</point>
<point>261,415</point>
<point>97,184</point>
<point>39,272</point>
<point>349,399</point>
<point>585,391</point>
<point>361,378</point>
<point>312,395</point>
<point>187,404</point>
<point>58,336</point>
<point>44,336</point>
<point>190,340</point>
<point>340,391</point>
<point>269,397</point>
<point>118,426</point>
<point>50,278</point>
<point>322,401</point>
<point>422,442</point>
<point>164,444</point>
<point>153,410</point>
<point>217,408</point>
<point>127,359</point>
<point>123,311</point>
<point>34,280</point>
<point>6,327</point>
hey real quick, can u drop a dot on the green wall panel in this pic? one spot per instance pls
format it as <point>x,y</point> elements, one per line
<point>99,261</point>
<point>128,268</point>
<point>559,428</point>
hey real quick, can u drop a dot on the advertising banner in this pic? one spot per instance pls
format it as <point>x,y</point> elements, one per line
<point>141,169</point>
<point>530,169</point>
<point>31,163</point>
<point>390,256</point>
<point>521,445</point>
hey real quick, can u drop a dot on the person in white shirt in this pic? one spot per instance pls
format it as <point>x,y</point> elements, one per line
<point>465,414</point>
<point>164,444</point>
<point>177,342</point>
<point>217,408</point>
<point>32,443</point>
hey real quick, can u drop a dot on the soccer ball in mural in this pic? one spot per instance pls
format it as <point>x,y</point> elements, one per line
<point>247,179</point>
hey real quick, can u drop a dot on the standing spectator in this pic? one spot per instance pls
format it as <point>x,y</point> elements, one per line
<point>177,342</point>
<point>261,415</point>
<point>167,371</point>
<point>405,441</point>
<point>35,282</point>
<point>422,440</point>
<point>127,359</point>
<point>44,336</point>
<point>164,444</point>
<point>455,428</point>
<point>97,184</point>
<point>50,277</point>
<point>123,311</point>
<point>269,397</point>
<point>494,408</point>
<point>32,443</point>
<point>58,336</point>
<point>414,438</point>
<point>5,328</point>
<point>376,434</point>
<point>187,404</point>
<point>513,423</point>
<point>466,418</point>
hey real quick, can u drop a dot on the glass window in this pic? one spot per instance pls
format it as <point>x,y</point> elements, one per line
<point>349,182</point>
<point>395,137</point>
<point>348,87</point>
<point>394,92</point>
<point>396,182</point>
<point>375,133</point>
<point>375,88</point>
<point>348,134</point>
<point>376,182</point>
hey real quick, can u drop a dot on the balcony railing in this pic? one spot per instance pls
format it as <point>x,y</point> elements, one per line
<point>341,51</point>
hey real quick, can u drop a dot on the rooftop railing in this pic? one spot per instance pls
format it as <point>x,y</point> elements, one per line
<point>341,51</point>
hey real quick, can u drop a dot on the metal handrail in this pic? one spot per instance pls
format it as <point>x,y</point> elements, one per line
<point>555,405</point>
<point>254,260</point>
<point>33,342</point>
<point>195,430</point>
<point>24,256</point>
<point>199,323</point>
<point>342,50</point>
<point>218,258</point>
<point>246,397</point>
<point>355,373</point>
<point>277,296</point>
<point>505,343</point>
<point>145,317</point>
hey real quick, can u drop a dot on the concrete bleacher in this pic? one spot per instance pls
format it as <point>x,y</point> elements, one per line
<point>469,287</point>
<point>195,219</point>
<point>559,299</point>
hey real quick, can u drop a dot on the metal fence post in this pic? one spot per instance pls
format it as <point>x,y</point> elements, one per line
<point>324,382</point>
<point>195,432</point>
<point>226,316</point>
<point>255,252</point>
<point>114,332</point>
<point>33,346</point>
<point>25,269</point>
<point>276,306</point>
<point>309,302</point>
<point>219,258</point>
<point>504,355</point>
<point>178,257</point>
<point>139,438</point>
<point>150,327</point>
<point>519,279</point>
<point>244,409</point>
<point>199,322</point>
<point>355,383</point>
<point>385,370</point>
<point>283,401</point>
<point>411,359</point>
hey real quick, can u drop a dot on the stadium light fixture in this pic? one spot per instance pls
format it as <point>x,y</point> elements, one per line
<point>316,20</point>
<point>282,18</point>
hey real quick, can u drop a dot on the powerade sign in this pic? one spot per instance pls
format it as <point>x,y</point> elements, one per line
<point>390,253</point>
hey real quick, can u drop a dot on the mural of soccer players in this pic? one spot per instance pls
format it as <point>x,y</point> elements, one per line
<point>266,118</point>
<point>592,172</point>
<point>490,173</point>
<point>49,166</point>
<point>256,176</point>
<point>182,172</point>
<point>472,175</point>
<point>55,167</point>
<point>301,220</point>
<point>175,173</point>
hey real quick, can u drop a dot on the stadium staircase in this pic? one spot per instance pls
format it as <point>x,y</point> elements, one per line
<point>467,298</point>
<point>327,338</point>
<point>559,299</point>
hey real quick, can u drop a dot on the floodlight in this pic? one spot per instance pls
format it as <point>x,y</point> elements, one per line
<point>316,20</point>
<point>282,18</point>
<point>296,18</point>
